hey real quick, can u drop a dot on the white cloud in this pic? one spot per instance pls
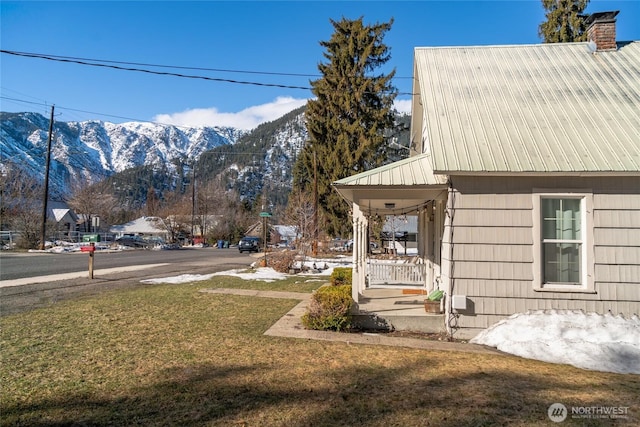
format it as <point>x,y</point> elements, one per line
<point>247,119</point>
<point>403,105</point>
<point>250,117</point>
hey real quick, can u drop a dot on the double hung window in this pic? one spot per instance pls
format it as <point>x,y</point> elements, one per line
<point>562,241</point>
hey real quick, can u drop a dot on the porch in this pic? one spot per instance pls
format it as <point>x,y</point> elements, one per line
<point>395,309</point>
<point>399,273</point>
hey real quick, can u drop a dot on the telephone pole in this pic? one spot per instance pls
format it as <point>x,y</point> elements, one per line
<point>193,200</point>
<point>43,234</point>
<point>315,203</point>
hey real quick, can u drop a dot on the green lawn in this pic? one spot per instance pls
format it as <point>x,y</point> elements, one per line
<point>171,355</point>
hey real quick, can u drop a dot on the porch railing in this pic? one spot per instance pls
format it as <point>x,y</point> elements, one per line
<point>385,274</point>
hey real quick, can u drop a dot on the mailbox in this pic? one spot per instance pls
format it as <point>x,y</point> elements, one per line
<point>91,238</point>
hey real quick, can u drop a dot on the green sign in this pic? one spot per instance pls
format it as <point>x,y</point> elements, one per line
<point>265,214</point>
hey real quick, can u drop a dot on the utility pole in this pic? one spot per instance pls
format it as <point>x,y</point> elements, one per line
<point>193,198</point>
<point>43,233</point>
<point>315,203</point>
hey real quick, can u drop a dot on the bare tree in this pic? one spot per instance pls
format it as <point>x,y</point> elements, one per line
<point>93,201</point>
<point>21,205</point>
<point>231,217</point>
<point>300,213</point>
<point>175,212</point>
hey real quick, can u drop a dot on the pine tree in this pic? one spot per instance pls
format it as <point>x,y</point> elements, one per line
<point>565,21</point>
<point>347,120</point>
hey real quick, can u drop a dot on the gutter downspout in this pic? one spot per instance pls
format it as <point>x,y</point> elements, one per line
<point>450,316</point>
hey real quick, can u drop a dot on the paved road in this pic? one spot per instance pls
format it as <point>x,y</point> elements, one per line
<point>21,265</point>
<point>30,281</point>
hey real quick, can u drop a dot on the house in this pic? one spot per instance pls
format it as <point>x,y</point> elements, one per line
<point>284,235</point>
<point>524,178</point>
<point>278,234</point>
<point>146,226</point>
<point>63,216</point>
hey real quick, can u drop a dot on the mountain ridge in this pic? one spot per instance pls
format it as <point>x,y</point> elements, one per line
<point>92,150</point>
<point>137,156</point>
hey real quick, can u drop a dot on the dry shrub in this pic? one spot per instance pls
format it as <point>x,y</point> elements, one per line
<point>282,261</point>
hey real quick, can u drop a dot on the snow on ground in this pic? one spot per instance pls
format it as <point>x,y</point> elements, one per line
<point>266,274</point>
<point>588,341</point>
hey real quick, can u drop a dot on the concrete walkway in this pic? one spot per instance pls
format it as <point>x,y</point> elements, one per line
<point>74,275</point>
<point>290,326</point>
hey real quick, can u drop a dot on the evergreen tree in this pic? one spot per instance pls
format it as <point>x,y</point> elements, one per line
<point>347,120</point>
<point>565,21</point>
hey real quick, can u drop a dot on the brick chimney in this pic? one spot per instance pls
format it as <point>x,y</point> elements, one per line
<point>601,30</point>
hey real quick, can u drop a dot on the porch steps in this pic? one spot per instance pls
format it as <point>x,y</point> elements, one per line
<point>414,292</point>
<point>393,309</point>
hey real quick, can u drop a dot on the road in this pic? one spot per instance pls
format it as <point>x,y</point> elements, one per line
<point>21,265</point>
<point>32,280</point>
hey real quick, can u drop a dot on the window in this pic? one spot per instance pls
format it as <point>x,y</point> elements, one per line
<point>562,241</point>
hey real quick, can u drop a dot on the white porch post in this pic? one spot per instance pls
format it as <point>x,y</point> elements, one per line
<point>425,244</point>
<point>360,226</point>
<point>439,224</point>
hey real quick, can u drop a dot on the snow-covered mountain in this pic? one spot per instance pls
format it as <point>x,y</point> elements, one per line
<point>257,162</point>
<point>87,152</point>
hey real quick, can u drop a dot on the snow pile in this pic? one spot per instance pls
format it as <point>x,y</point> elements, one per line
<point>266,274</point>
<point>588,341</point>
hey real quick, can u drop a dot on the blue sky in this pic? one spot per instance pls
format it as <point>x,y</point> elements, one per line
<point>261,39</point>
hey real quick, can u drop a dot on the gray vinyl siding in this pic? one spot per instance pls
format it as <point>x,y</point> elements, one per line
<point>491,245</point>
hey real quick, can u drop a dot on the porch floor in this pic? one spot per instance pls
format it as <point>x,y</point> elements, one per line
<point>392,309</point>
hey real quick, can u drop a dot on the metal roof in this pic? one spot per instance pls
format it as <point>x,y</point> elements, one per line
<point>398,188</point>
<point>414,170</point>
<point>531,108</point>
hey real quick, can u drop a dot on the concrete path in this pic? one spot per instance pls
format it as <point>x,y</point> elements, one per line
<point>74,275</point>
<point>290,326</point>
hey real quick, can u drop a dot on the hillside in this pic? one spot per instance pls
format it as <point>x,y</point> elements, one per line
<point>134,157</point>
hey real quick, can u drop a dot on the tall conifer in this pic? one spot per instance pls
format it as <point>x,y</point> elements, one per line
<point>347,120</point>
<point>565,21</point>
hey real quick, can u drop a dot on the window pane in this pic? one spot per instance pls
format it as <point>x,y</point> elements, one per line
<point>561,262</point>
<point>550,207</point>
<point>561,219</point>
<point>571,219</point>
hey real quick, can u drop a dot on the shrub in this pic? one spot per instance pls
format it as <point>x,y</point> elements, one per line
<point>341,276</point>
<point>281,261</point>
<point>329,309</point>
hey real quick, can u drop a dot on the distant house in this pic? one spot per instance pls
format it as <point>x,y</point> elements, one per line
<point>146,226</point>
<point>277,234</point>
<point>284,234</point>
<point>63,216</point>
<point>524,179</point>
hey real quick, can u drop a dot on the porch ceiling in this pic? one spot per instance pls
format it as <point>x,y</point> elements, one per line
<point>397,188</point>
<point>392,200</point>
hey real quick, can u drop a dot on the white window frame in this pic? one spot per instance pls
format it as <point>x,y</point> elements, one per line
<point>586,284</point>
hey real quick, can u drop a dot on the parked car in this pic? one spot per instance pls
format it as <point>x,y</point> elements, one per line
<point>249,244</point>
<point>132,241</point>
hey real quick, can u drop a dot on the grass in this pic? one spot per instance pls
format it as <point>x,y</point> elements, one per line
<point>171,355</point>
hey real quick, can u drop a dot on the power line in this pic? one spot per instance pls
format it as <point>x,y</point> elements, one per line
<point>180,67</point>
<point>106,64</point>
<point>87,112</point>
<point>72,58</point>
<point>160,73</point>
